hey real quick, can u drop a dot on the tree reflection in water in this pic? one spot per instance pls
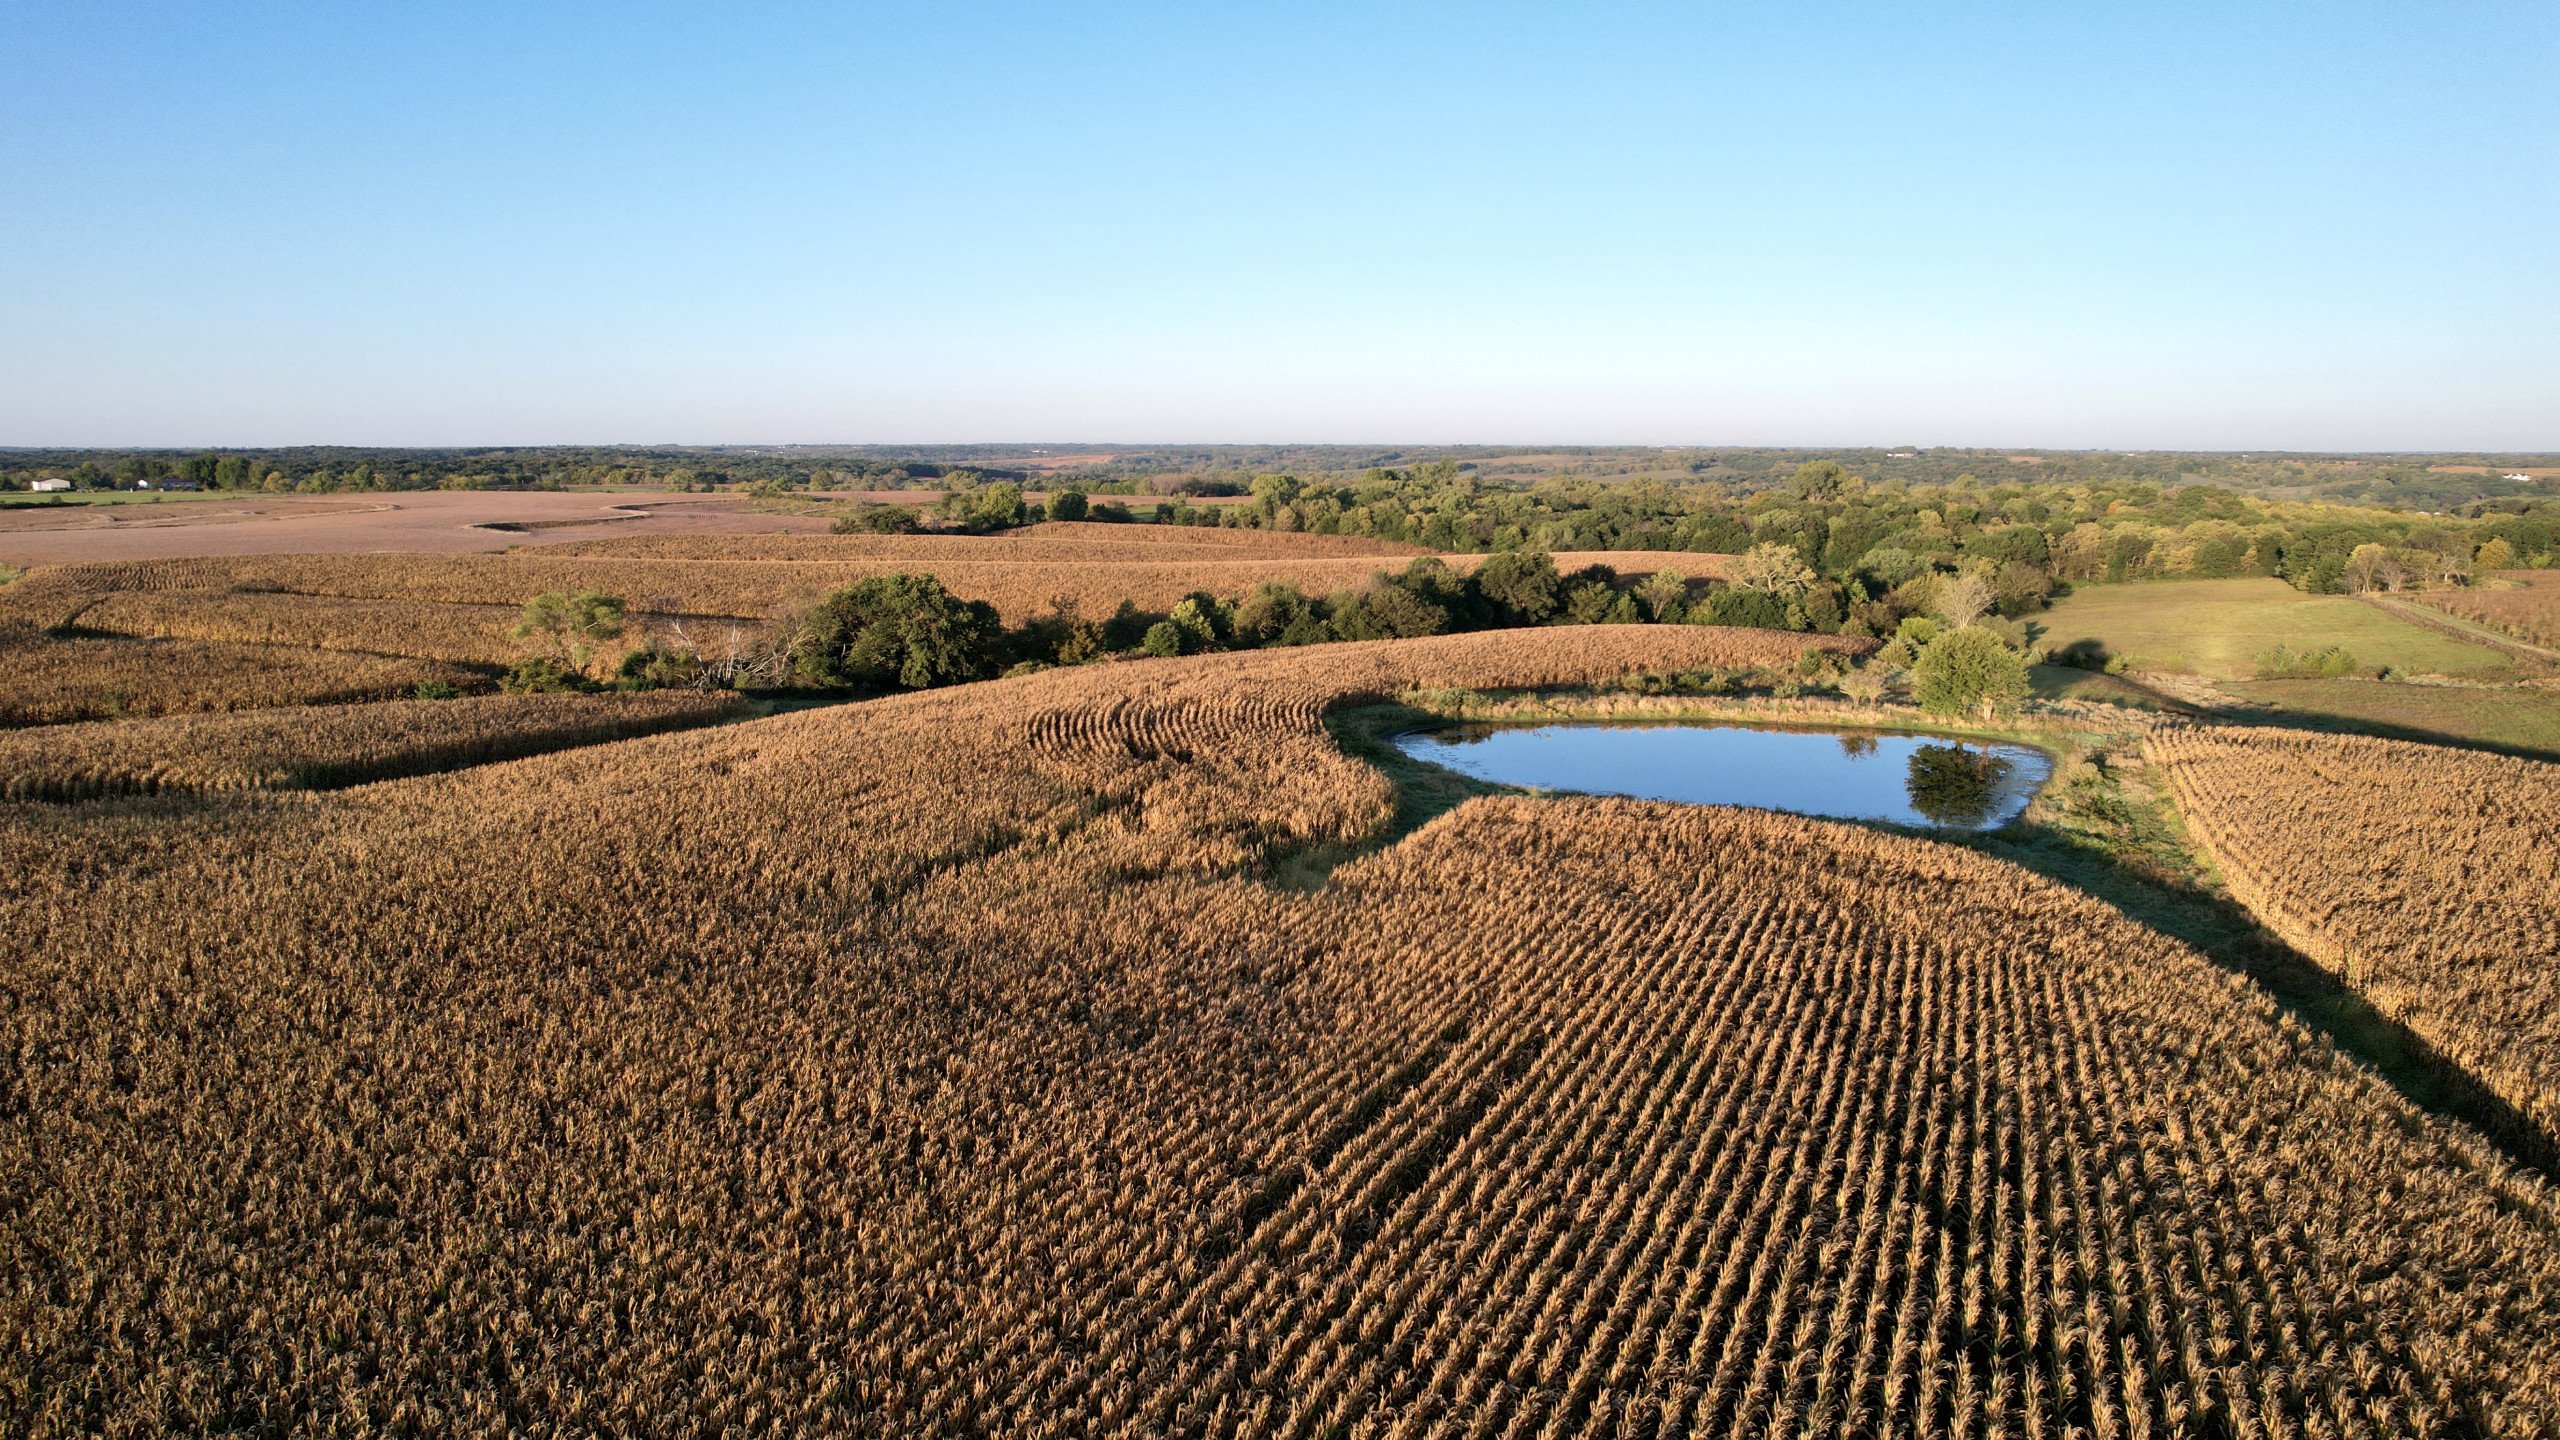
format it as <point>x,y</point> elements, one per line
<point>1857,747</point>
<point>1954,786</point>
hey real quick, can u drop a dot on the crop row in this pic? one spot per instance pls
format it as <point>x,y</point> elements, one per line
<point>944,1065</point>
<point>46,680</point>
<point>2426,876</point>
<point>422,629</point>
<point>326,745</point>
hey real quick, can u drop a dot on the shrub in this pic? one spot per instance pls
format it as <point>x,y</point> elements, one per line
<point>541,675</point>
<point>866,518</point>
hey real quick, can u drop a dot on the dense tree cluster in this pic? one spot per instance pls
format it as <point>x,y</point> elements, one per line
<point>1844,528</point>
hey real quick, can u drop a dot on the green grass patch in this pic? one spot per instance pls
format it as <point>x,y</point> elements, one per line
<point>2520,721</point>
<point>2218,628</point>
<point>2061,682</point>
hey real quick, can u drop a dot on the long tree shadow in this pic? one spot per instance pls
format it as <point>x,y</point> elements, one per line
<point>2290,719</point>
<point>2227,934</point>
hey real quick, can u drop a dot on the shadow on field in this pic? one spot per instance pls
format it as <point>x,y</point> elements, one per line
<point>2225,933</point>
<point>2150,893</point>
<point>2292,719</point>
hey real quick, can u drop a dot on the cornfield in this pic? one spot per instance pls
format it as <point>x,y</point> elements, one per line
<point>2426,876</point>
<point>740,588</point>
<point>327,745</point>
<point>46,681</point>
<point>944,1065</point>
<point>2525,604</point>
<point>463,634</point>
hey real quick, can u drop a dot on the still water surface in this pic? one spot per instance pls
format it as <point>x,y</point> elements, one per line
<point>1842,774</point>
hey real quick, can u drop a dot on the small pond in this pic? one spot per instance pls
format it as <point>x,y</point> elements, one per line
<point>1841,774</point>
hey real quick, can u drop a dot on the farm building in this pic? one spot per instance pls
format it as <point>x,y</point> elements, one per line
<point>50,483</point>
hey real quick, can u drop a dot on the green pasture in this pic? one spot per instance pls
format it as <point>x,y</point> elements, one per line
<point>2216,629</point>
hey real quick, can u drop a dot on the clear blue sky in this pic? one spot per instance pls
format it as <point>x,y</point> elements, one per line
<point>2216,225</point>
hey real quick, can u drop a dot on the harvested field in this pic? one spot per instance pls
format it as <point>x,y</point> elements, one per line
<point>2522,603</point>
<point>1694,564</point>
<point>2426,876</point>
<point>756,589</point>
<point>47,681</point>
<point>431,521</point>
<point>327,745</point>
<point>1048,543</point>
<point>941,1066</point>
<point>752,589</point>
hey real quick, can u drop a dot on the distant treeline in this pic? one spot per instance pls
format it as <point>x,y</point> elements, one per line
<point>1878,535</point>
<point>2413,482</point>
<point>1843,523</point>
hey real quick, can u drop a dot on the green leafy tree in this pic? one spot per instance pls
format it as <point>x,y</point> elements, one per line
<point>1520,587</point>
<point>897,631</point>
<point>1276,613</point>
<point>1068,504</point>
<point>870,519</point>
<point>1740,606</point>
<point>1386,612</point>
<point>1776,568</point>
<point>984,507</point>
<point>1665,594</point>
<point>1818,480</point>
<point>1588,602</point>
<point>567,628</point>
<point>1206,622</point>
<point>1164,640</point>
<point>1969,671</point>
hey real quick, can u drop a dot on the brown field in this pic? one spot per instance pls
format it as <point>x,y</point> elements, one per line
<point>1696,565</point>
<point>463,634</point>
<point>2522,603</point>
<point>46,681</point>
<point>1044,543</point>
<point>2426,876</point>
<point>946,1065</point>
<point>327,745</point>
<point>753,589</point>
<point>430,521</point>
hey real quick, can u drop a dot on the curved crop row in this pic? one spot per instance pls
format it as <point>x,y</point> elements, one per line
<point>2429,877</point>
<point>940,1066</point>
<point>327,745</point>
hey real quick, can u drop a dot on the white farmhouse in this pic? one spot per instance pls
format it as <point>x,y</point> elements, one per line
<point>50,483</point>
